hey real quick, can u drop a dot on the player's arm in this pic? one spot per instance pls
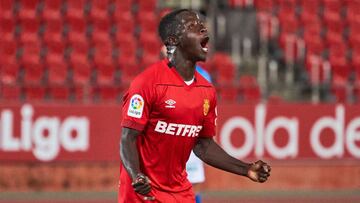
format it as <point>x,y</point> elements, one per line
<point>211,153</point>
<point>130,159</point>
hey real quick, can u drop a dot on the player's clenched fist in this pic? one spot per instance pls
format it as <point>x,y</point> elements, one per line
<point>259,171</point>
<point>141,184</point>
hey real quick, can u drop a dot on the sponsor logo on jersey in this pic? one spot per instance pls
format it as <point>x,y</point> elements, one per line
<point>178,129</point>
<point>170,103</point>
<point>136,106</point>
<point>206,107</point>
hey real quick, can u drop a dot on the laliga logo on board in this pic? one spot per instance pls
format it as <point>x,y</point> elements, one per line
<point>260,136</point>
<point>44,135</point>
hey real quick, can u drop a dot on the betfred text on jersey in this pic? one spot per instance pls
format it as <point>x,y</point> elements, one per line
<point>178,129</point>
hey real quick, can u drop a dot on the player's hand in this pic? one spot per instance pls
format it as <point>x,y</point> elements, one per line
<point>259,171</point>
<point>141,184</point>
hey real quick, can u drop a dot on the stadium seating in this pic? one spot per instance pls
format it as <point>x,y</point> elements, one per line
<point>80,48</point>
<point>11,92</point>
<point>9,69</point>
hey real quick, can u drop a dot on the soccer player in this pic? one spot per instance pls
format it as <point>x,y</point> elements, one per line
<point>169,110</point>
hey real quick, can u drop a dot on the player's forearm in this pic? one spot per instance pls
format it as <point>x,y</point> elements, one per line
<point>211,153</point>
<point>129,153</point>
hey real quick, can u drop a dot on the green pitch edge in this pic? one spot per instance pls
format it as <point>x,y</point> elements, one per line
<point>283,193</point>
<point>93,195</point>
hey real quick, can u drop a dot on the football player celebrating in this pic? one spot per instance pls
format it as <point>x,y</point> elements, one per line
<point>168,111</point>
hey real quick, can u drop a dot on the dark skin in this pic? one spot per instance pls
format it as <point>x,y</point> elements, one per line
<point>190,44</point>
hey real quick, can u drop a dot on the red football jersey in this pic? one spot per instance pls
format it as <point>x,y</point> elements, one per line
<point>170,116</point>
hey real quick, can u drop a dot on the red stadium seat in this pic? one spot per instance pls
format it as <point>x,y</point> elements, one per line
<point>59,92</point>
<point>7,25</point>
<point>353,35</point>
<point>34,92</point>
<point>104,64</point>
<point>309,18</point>
<point>249,89</point>
<point>127,51</point>
<point>31,52</point>
<point>75,9</point>
<point>129,69</point>
<point>105,73</point>
<point>288,23</point>
<point>339,65</point>
<point>150,43</point>
<point>82,92</point>
<point>333,39</point>
<point>6,8</point>
<point>57,70</point>
<point>287,4</point>
<point>312,28</point>
<point>8,47</point>
<point>310,6</point>
<point>52,10</point>
<point>101,31</point>
<point>222,65</point>
<point>227,92</point>
<point>108,93</point>
<point>77,25</point>
<point>124,22</point>
<point>55,46</point>
<point>123,6</point>
<point>103,50</point>
<point>125,39</point>
<point>54,26</point>
<point>334,22</point>
<point>99,9</point>
<point>148,21</point>
<point>28,9</point>
<point>81,69</point>
<point>10,92</point>
<point>34,71</point>
<point>29,31</point>
<point>314,44</point>
<point>148,5</point>
<point>82,46</point>
<point>148,59</point>
<point>264,5</point>
<point>77,39</point>
<point>332,5</point>
<point>9,69</point>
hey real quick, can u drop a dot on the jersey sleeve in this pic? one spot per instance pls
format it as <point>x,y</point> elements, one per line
<point>136,105</point>
<point>209,124</point>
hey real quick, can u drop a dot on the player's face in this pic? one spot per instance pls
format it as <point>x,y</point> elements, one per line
<point>194,39</point>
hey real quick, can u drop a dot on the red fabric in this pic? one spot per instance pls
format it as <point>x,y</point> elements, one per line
<point>127,195</point>
<point>146,108</point>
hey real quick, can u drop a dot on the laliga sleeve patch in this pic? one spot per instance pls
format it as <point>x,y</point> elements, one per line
<point>136,106</point>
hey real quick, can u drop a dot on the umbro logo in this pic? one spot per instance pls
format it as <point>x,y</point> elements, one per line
<point>170,103</point>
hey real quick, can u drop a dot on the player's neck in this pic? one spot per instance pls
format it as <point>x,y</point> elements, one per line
<point>185,68</point>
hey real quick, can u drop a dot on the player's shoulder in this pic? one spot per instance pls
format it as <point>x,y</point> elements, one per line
<point>149,75</point>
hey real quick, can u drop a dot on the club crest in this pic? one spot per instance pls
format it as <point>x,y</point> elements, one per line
<point>206,107</point>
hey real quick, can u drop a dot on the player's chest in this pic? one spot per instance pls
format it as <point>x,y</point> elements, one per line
<point>174,102</point>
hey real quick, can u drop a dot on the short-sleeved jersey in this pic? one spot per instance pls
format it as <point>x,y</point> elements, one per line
<point>171,116</point>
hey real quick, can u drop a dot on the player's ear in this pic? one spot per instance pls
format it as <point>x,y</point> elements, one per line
<point>172,40</point>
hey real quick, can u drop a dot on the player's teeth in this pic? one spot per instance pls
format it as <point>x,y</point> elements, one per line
<point>205,49</point>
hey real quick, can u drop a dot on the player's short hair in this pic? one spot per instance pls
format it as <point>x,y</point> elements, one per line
<point>170,23</point>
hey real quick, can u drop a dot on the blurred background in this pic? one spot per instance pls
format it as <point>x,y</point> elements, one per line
<point>286,71</point>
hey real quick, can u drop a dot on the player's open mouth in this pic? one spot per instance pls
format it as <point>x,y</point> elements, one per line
<point>204,44</point>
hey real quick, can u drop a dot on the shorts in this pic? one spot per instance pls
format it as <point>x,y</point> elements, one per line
<point>160,196</point>
<point>128,195</point>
